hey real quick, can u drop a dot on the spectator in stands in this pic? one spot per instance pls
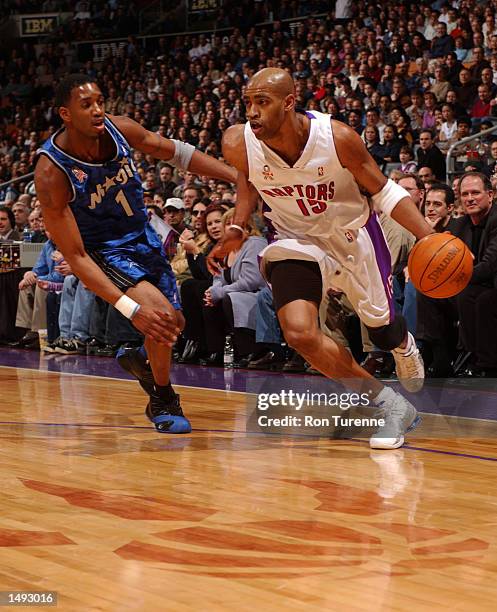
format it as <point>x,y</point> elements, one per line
<point>441,43</point>
<point>427,176</point>
<point>436,319</point>
<point>391,144</point>
<point>166,185</point>
<point>21,214</point>
<point>477,304</point>
<point>8,229</point>
<point>448,130</point>
<point>76,306</point>
<point>230,303</point>
<point>482,106</point>
<point>193,289</point>
<point>430,155</point>
<point>372,141</point>
<point>466,89</point>
<point>174,215</point>
<point>406,158</point>
<point>32,302</point>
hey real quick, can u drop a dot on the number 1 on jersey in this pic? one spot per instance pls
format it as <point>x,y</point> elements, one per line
<point>123,201</point>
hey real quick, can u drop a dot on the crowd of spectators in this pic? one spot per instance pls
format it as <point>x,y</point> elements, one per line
<point>411,78</point>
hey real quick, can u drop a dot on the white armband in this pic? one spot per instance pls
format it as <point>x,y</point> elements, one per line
<point>127,307</point>
<point>385,200</point>
<point>183,152</point>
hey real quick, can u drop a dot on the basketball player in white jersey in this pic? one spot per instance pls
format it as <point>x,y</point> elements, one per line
<point>321,189</point>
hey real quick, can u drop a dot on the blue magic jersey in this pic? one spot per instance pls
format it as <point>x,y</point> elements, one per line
<point>107,198</point>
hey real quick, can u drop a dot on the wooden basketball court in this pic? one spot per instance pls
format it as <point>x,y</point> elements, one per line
<point>111,515</point>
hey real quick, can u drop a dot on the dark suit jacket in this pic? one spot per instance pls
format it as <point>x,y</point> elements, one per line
<point>433,158</point>
<point>485,271</point>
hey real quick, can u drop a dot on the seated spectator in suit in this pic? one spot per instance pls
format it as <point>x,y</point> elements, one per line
<point>477,304</point>
<point>430,155</point>
<point>436,319</point>
<point>230,304</point>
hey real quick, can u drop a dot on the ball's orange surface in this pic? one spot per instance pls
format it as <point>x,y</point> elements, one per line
<point>440,265</point>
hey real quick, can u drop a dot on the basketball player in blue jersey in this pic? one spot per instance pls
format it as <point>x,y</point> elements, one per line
<point>321,189</point>
<point>92,203</point>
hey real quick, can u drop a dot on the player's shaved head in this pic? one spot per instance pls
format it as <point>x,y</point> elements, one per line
<point>271,80</point>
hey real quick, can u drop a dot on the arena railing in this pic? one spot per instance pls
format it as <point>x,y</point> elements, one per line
<point>450,158</point>
<point>18,179</point>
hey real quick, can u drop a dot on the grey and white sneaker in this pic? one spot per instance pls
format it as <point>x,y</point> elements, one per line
<point>399,415</point>
<point>409,366</point>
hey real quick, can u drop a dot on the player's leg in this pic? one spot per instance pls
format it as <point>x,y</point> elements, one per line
<point>297,291</point>
<point>164,409</point>
<point>368,285</point>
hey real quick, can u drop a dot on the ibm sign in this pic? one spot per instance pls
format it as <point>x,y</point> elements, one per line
<point>38,25</point>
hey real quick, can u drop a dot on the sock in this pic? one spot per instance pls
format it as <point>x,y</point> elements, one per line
<point>409,346</point>
<point>165,392</point>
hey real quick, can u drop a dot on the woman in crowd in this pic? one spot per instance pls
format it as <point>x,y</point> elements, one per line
<point>230,304</point>
<point>391,144</point>
<point>372,140</point>
<point>211,229</point>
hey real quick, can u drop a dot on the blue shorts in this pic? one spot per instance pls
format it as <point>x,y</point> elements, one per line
<point>141,258</point>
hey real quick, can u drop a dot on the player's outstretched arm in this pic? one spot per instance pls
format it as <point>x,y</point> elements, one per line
<point>386,195</point>
<point>52,190</point>
<point>182,155</point>
<point>234,153</point>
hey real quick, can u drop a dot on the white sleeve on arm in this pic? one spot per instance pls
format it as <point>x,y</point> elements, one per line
<point>388,197</point>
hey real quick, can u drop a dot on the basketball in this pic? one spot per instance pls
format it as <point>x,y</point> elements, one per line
<point>440,265</point>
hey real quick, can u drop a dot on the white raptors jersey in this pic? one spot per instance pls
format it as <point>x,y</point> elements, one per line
<point>316,199</point>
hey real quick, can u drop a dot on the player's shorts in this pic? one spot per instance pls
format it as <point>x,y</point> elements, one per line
<point>362,270</point>
<point>137,260</point>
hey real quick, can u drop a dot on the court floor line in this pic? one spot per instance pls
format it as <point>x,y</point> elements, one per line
<point>250,433</point>
<point>132,380</point>
<point>116,378</point>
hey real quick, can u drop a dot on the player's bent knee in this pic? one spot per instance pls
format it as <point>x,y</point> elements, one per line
<point>388,337</point>
<point>301,340</point>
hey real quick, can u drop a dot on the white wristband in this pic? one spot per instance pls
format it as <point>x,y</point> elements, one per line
<point>388,197</point>
<point>183,153</point>
<point>127,307</point>
<point>237,227</point>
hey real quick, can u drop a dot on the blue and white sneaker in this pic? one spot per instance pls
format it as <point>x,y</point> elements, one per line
<point>167,417</point>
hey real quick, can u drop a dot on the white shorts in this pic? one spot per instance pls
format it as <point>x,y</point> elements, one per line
<point>364,275</point>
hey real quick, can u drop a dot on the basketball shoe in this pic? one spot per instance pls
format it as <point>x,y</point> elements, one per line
<point>409,366</point>
<point>399,415</point>
<point>165,413</point>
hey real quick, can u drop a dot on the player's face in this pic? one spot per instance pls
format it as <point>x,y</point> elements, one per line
<point>265,112</point>
<point>85,110</point>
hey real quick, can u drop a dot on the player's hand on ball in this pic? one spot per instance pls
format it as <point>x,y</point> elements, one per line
<point>232,241</point>
<point>158,325</point>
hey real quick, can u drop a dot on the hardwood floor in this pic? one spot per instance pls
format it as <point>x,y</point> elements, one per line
<point>113,516</point>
